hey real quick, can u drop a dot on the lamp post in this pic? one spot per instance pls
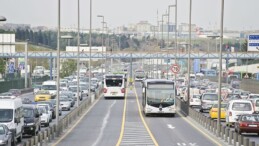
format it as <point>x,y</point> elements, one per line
<point>106,48</point>
<point>58,65</point>
<point>90,50</point>
<point>189,50</point>
<point>164,15</point>
<point>102,37</point>
<point>211,37</point>
<point>220,66</point>
<point>78,47</point>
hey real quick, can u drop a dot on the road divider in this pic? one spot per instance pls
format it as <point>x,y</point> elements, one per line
<point>226,134</point>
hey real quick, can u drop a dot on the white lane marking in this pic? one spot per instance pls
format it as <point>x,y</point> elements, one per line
<point>188,144</point>
<point>170,126</point>
<point>105,121</point>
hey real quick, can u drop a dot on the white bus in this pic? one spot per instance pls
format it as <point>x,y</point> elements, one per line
<point>114,86</point>
<point>50,86</point>
<point>139,75</point>
<point>158,97</point>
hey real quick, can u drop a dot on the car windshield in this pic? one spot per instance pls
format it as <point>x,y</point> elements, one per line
<point>6,115</point>
<point>42,110</point>
<point>250,118</point>
<point>211,97</point>
<point>241,106</point>
<point>28,113</point>
<point>42,92</point>
<point>73,89</point>
<point>222,105</point>
<point>245,93</point>
<point>254,96</point>
<point>49,87</point>
<point>45,106</point>
<point>196,96</point>
<point>234,96</point>
<point>63,85</point>
<point>64,99</point>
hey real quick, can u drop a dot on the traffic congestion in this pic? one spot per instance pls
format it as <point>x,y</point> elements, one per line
<point>36,110</point>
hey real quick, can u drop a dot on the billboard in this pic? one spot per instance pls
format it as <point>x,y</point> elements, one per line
<point>253,42</point>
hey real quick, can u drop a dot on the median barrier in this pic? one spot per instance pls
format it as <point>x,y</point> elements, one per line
<point>52,132</point>
<point>226,134</point>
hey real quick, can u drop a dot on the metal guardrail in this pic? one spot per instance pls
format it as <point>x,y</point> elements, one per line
<point>52,132</point>
<point>229,136</point>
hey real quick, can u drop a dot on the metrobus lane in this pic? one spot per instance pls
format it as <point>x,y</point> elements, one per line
<point>174,131</point>
<point>100,125</point>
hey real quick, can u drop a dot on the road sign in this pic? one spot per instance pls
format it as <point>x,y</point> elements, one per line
<point>175,68</point>
<point>253,42</point>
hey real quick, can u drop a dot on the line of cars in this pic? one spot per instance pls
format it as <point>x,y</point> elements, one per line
<point>239,108</point>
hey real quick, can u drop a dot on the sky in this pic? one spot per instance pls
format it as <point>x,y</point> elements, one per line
<point>238,14</point>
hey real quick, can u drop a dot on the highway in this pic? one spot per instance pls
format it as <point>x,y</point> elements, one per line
<point>121,122</point>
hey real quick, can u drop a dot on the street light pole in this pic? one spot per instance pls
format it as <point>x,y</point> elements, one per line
<point>58,66</point>
<point>102,38</point>
<point>78,47</point>
<point>90,50</point>
<point>189,50</point>
<point>26,65</point>
<point>220,67</point>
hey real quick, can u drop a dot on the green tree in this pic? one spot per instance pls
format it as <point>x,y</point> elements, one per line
<point>68,67</point>
<point>2,65</point>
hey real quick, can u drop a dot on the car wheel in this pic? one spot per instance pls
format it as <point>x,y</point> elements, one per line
<point>239,131</point>
<point>13,143</point>
<point>201,110</point>
<point>47,125</point>
<point>68,109</point>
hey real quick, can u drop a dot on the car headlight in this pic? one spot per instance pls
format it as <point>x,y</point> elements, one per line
<point>2,142</point>
<point>30,124</point>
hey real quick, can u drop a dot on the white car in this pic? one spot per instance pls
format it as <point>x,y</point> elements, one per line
<point>65,103</point>
<point>45,118</point>
<point>195,100</point>
<point>49,112</point>
<point>237,107</point>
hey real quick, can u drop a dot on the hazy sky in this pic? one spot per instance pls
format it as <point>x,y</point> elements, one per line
<point>239,14</point>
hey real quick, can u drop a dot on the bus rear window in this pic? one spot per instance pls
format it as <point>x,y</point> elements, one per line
<point>113,83</point>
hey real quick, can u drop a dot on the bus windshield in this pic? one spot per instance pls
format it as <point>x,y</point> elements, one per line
<point>113,83</point>
<point>160,97</point>
<point>49,87</point>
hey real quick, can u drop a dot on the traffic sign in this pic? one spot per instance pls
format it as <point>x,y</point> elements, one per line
<point>253,42</point>
<point>175,68</point>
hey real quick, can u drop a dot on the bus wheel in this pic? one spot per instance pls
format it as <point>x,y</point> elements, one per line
<point>172,115</point>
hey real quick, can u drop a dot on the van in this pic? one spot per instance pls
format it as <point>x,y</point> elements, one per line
<point>11,115</point>
<point>237,107</point>
<point>50,86</point>
<point>31,119</point>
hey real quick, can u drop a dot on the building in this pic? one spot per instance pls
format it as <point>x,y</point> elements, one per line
<point>143,26</point>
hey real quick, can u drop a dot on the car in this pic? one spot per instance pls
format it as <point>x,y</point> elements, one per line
<point>195,100</point>
<point>207,100</point>
<point>63,86</point>
<point>47,108</point>
<point>247,123</point>
<point>253,96</point>
<point>31,119</point>
<point>51,107</point>
<point>42,95</point>
<point>65,103</point>
<point>45,116</point>
<point>232,97</point>
<point>71,99</point>
<point>236,108</point>
<point>15,92</point>
<point>6,138</point>
<point>73,89</point>
<point>214,111</point>
<point>244,94</point>
<point>54,102</point>
<point>36,88</point>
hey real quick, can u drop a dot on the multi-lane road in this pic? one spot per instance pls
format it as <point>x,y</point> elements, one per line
<point>112,122</point>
